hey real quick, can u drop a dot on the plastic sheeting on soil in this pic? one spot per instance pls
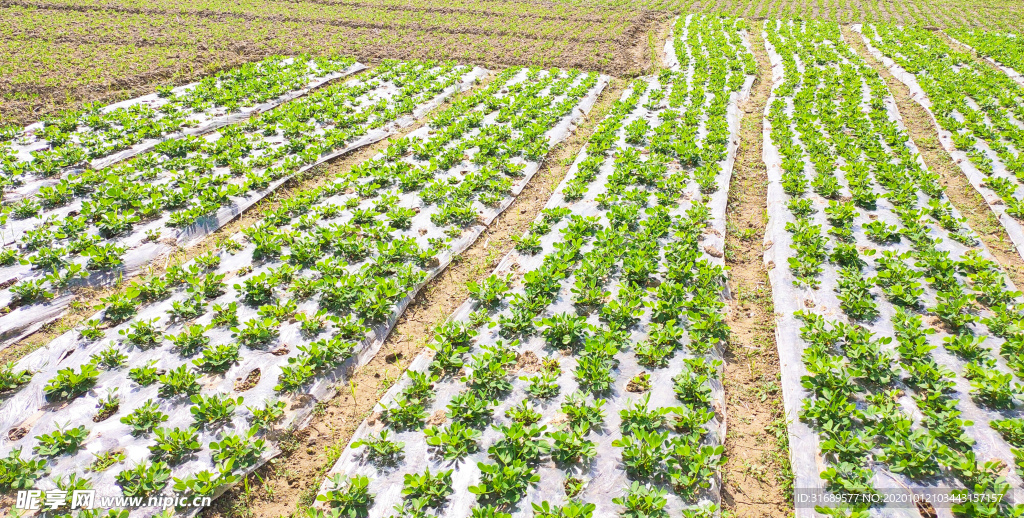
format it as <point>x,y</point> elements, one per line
<point>143,251</point>
<point>1014,228</point>
<point>28,409</point>
<point>605,477</point>
<point>1009,71</point>
<point>200,123</point>
<point>805,451</point>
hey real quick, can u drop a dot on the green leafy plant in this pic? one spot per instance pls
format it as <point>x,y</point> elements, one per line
<point>206,482</point>
<point>643,501</point>
<point>69,384</point>
<point>453,442</point>
<point>110,358</point>
<point>405,413</point>
<point>107,459</point>
<point>565,331</point>
<point>211,409</point>
<point>583,413</point>
<point>380,449</point>
<point>118,307</point>
<point>519,443</point>
<point>218,358</point>
<point>178,382</point>
<point>91,330</point>
<point>571,509</point>
<point>427,489</point>
<point>17,473</point>
<point>144,375</point>
<point>524,413</point>
<point>108,405</point>
<point>350,496</point>
<point>145,479</point>
<point>11,378</point>
<point>469,408</point>
<point>504,484</point>
<point>142,333</point>
<point>490,291</point>
<point>543,385</point>
<point>61,441</point>
<point>191,340</point>
<point>571,446</point>
<point>243,449</point>
<point>272,411</point>
<point>172,445</point>
<point>145,418</point>
<point>256,332</point>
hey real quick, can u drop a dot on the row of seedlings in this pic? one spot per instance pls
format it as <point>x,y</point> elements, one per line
<point>897,332</point>
<point>1002,49</point>
<point>99,135</point>
<point>172,388</point>
<point>103,225</point>
<point>582,378</point>
<point>975,108</point>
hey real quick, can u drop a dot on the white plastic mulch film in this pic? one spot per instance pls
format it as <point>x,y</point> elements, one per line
<point>584,374</point>
<point>284,309</point>
<point>98,136</point>
<point>975,109</point>
<point>897,331</point>
<point>113,223</point>
<point>1002,49</point>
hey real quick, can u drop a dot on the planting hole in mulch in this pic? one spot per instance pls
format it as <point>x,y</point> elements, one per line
<point>105,413</point>
<point>927,510</point>
<point>249,382</point>
<point>527,363</point>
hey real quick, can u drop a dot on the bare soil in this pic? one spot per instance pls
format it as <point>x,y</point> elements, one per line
<point>639,384</point>
<point>23,104</point>
<point>207,41</point>
<point>959,190</point>
<point>756,478</point>
<point>288,484</point>
<point>527,363</point>
<point>250,380</point>
<point>501,28</point>
<point>105,414</point>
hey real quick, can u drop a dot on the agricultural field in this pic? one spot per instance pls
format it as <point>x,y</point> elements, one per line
<point>111,49</point>
<point>109,223</point>
<point>327,259</point>
<point>990,15</point>
<point>561,310</point>
<point>58,54</point>
<point>897,323</point>
<point>975,106</point>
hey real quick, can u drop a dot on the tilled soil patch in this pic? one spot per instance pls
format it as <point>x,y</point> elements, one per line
<point>756,478</point>
<point>206,41</point>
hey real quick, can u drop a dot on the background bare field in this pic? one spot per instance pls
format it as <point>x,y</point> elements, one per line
<point>57,54</point>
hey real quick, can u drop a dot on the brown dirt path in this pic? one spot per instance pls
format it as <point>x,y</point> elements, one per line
<point>757,481</point>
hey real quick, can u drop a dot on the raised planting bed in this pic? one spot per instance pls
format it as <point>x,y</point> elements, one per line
<point>897,331</point>
<point>246,340</point>
<point>582,378</point>
<point>975,108</point>
<point>102,226</point>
